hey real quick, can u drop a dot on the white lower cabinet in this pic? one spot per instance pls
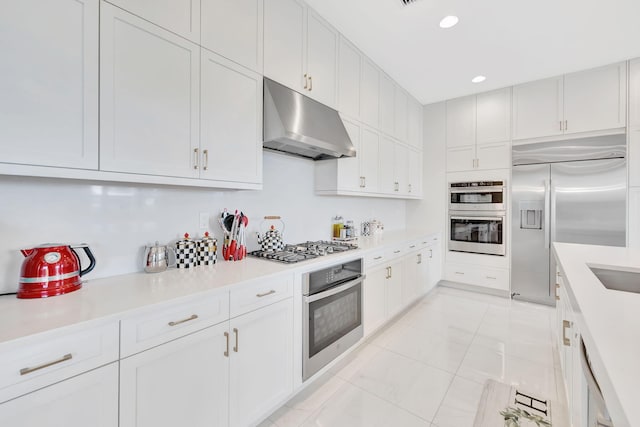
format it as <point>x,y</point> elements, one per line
<point>415,276</point>
<point>261,362</point>
<point>476,275</point>
<point>393,288</point>
<point>373,296</point>
<point>89,399</point>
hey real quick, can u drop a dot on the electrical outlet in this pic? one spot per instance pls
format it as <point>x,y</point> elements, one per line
<point>204,220</point>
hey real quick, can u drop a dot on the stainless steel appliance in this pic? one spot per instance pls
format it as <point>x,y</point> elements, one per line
<point>572,191</point>
<point>477,232</point>
<point>298,125</point>
<point>477,196</point>
<point>303,251</point>
<point>332,310</point>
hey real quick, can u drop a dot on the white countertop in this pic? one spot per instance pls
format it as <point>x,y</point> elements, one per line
<point>609,321</point>
<point>113,296</point>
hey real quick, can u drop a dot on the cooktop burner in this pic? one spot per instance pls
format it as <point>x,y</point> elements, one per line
<point>304,251</point>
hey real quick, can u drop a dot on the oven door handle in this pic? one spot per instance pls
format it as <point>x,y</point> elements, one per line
<point>483,218</point>
<point>336,290</point>
<point>476,189</point>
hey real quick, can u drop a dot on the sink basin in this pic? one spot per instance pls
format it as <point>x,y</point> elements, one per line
<point>617,278</point>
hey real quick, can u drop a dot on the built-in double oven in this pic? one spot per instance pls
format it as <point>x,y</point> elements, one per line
<point>332,310</point>
<point>477,217</point>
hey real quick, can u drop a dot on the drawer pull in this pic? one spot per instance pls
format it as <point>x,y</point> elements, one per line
<point>460,273</point>
<point>412,246</point>
<point>192,317</point>
<point>492,278</point>
<point>396,252</point>
<point>557,296</point>
<point>226,352</point>
<point>378,257</point>
<point>235,331</point>
<point>271,292</point>
<point>25,371</point>
<point>566,341</point>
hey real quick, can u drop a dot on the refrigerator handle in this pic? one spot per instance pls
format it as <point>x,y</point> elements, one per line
<point>547,213</point>
<point>552,197</point>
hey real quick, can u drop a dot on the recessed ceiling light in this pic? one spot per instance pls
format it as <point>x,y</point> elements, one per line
<point>478,79</point>
<point>449,21</point>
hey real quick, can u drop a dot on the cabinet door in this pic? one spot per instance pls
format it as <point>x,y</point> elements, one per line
<point>349,71</point>
<point>493,123</point>
<point>322,53</point>
<point>49,84</point>
<point>538,109</point>
<point>414,135</point>
<point>283,42</point>
<point>179,16</point>
<point>149,97</point>
<point>393,289</point>
<point>89,399</point>
<point>411,286</point>
<point>386,173</point>
<point>493,156</point>
<point>401,113</point>
<point>461,158</point>
<point>369,165</point>
<point>461,122</point>
<point>634,217</point>
<point>349,167</point>
<point>373,295</point>
<point>234,29</point>
<point>414,187</point>
<point>231,121</point>
<point>401,169</point>
<point>595,99</point>
<point>370,94</point>
<point>181,383</point>
<point>387,104</point>
<point>434,266</point>
<point>261,366</point>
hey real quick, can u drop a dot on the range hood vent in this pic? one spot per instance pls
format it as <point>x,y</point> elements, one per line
<point>297,125</point>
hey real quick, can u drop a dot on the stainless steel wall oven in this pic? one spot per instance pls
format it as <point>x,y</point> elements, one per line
<point>477,196</point>
<point>332,310</point>
<point>477,232</point>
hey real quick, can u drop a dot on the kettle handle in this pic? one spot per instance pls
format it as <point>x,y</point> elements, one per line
<point>92,259</point>
<point>175,257</point>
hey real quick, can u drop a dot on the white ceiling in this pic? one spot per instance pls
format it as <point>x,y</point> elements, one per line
<point>509,41</point>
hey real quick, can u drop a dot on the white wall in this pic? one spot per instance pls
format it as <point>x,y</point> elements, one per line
<point>430,213</point>
<point>118,220</point>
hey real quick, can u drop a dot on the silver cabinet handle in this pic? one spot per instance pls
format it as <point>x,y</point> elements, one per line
<point>205,154</point>
<point>390,272</point>
<point>306,82</point>
<point>378,257</point>
<point>235,348</point>
<point>388,276</point>
<point>566,341</point>
<point>412,246</point>
<point>196,160</point>
<point>460,273</point>
<point>430,253</point>
<point>560,124</point>
<point>396,186</point>
<point>271,292</point>
<point>226,352</point>
<point>419,258</point>
<point>492,278</point>
<point>25,371</point>
<point>310,84</point>
<point>566,125</point>
<point>188,319</point>
<point>396,252</point>
<point>410,188</point>
<point>557,296</point>
<point>362,182</point>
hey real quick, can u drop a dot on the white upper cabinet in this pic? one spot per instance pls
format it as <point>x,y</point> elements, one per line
<point>284,42</point>
<point>595,99</point>
<point>538,108</point>
<point>493,116</point>
<point>230,122</point>
<point>461,122</point>
<point>300,50</point>
<point>149,92</point>
<point>322,54</point>
<point>401,112</point>
<point>349,71</point>
<point>49,84</point>
<point>387,105</point>
<point>234,29</point>
<point>370,94</point>
<point>588,101</point>
<point>369,160</point>
<point>401,169</point>
<point>415,174</point>
<point>386,172</point>
<point>414,130</point>
<point>179,16</point>
<point>634,95</point>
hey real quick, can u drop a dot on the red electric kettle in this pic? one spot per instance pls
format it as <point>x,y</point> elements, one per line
<point>52,269</point>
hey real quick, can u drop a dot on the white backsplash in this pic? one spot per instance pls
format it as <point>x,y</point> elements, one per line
<point>118,220</point>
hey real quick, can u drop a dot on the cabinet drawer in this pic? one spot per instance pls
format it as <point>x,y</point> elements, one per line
<point>396,251</point>
<point>495,278</point>
<point>40,360</point>
<point>374,258</point>
<point>158,324</point>
<point>259,294</point>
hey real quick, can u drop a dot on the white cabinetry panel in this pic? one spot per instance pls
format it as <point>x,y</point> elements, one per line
<point>234,29</point>
<point>370,94</point>
<point>386,172</point>
<point>401,112</point>
<point>369,160</point>
<point>414,131</point>
<point>387,104</point>
<point>179,16</point>
<point>149,98</point>
<point>49,84</point>
<point>538,108</point>
<point>90,399</point>
<point>322,51</point>
<point>231,121</point>
<point>349,69</point>
<point>493,119</point>
<point>461,122</point>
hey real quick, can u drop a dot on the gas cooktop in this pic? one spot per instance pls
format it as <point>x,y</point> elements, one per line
<point>304,251</point>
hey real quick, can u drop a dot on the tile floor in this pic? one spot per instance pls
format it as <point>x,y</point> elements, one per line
<point>428,367</point>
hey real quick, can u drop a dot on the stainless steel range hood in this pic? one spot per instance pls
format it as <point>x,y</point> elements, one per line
<point>298,125</point>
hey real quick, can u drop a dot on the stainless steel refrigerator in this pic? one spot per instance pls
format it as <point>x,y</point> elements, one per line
<point>571,191</point>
